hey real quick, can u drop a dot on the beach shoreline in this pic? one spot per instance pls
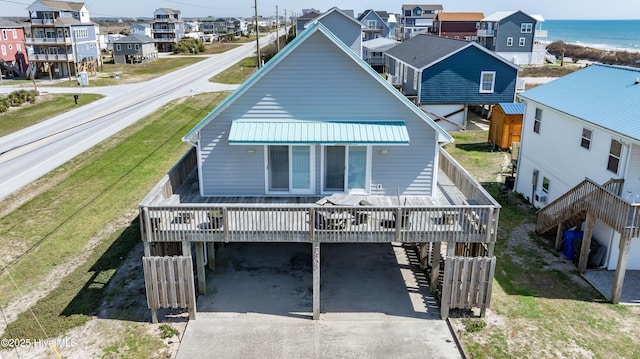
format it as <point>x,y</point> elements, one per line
<point>605,55</point>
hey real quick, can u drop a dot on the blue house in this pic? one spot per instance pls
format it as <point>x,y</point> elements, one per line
<point>341,157</point>
<point>514,35</point>
<point>375,25</point>
<point>343,25</point>
<point>445,76</point>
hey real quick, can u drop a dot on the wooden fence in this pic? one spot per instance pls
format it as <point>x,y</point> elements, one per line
<point>170,284</point>
<point>468,282</point>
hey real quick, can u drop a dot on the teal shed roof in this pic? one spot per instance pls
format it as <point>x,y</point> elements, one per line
<point>512,108</point>
<point>315,132</point>
<point>604,95</point>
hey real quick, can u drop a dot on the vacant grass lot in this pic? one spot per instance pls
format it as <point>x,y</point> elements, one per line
<point>237,73</point>
<point>86,222</point>
<point>134,73</point>
<point>541,307</point>
<point>46,106</point>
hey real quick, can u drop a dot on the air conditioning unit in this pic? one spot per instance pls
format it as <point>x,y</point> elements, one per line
<point>541,197</point>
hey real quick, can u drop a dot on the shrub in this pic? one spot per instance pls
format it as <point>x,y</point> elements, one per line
<point>3,108</point>
<point>167,331</point>
<point>473,325</point>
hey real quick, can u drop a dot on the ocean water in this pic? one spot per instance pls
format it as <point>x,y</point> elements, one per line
<point>603,34</point>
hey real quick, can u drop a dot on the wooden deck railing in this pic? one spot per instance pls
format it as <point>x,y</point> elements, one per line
<point>474,222</point>
<point>473,191</point>
<point>602,201</point>
<point>306,222</point>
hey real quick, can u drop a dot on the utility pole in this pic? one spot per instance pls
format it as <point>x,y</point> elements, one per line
<point>277,28</point>
<point>255,2</point>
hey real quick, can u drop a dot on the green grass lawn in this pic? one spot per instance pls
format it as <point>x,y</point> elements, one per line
<point>538,310</point>
<point>237,73</point>
<point>134,73</point>
<point>89,217</point>
<point>46,106</point>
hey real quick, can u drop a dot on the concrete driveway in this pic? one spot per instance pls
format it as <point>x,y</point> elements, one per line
<point>375,303</point>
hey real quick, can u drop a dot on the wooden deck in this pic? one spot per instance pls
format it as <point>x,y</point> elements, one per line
<point>459,211</point>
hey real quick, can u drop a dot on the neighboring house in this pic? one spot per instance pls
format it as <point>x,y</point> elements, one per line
<point>392,22</point>
<point>13,54</point>
<point>140,29</point>
<point>207,25</point>
<point>514,35</point>
<point>167,29</point>
<point>134,49</point>
<point>457,25</point>
<point>343,25</point>
<point>445,76</point>
<point>63,39</point>
<point>505,127</point>
<point>375,25</point>
<point>373,52</point>
<point>585,125</point>
<point>418,18</point>
<point>229,25</point>
<point>307,16</point>
<point>267,155</point>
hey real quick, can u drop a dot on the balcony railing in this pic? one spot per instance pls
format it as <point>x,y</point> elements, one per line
<point>486,33</point>
<point>48,41</point>
<point>540,33</point>
<point>475,220</point>
<point>373,28</point>
<point>52,57</point>
<point>42,21</point>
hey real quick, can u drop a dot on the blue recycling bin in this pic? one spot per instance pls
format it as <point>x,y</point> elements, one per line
<point>569,237</point>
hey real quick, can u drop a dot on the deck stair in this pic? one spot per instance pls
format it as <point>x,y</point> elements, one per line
<point>603,201</point>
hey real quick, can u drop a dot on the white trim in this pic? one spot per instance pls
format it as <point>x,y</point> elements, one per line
<point>291,191</point>
<point>367,176</point>
<point>493,81</point>
<point>509,41</point>
<point>522,41</point>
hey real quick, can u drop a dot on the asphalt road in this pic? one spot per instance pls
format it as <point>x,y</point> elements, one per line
<point>29,154</point>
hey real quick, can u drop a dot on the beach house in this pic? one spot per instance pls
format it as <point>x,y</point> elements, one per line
<point>63,39</point>
<point>347,160</point>
<point>514,35</point>
<point>580,163</point>
<point>445,76</point>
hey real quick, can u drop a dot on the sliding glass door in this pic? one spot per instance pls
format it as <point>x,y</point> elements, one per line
<point>345,168</point>
<point>289,169</point>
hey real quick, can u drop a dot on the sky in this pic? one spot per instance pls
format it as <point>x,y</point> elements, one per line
<point>549,9</point>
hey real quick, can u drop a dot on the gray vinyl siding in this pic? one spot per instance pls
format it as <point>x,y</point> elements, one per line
<point>510,27</point>
<point>346,30</point>
<point>334,88</point>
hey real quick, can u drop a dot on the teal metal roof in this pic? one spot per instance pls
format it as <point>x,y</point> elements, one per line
<point>604,95</point>
<point>314,132</point>
<point>512,108</point>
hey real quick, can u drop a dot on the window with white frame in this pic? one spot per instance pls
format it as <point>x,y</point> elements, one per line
<point>404,73</point>
<point>586,138</point>
<point>526,28</point>
<point>136,47</point>
<point>615,151</point>
<point>81,33</point>
<point>509,41</point>
<point>118,47</point>
<point>545,185</point>
<point>289,169</point>
<point>4,50</point>
<point>371,24</point>
<point>415,80</point>
<point>537,119</point>
<point>14,33</point>
<point>487,81</point>
<point>522,41</point>
<point>4,34</point>
<point>18,47</point>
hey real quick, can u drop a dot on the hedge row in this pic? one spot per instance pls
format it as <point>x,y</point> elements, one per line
<point>17,98</point>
